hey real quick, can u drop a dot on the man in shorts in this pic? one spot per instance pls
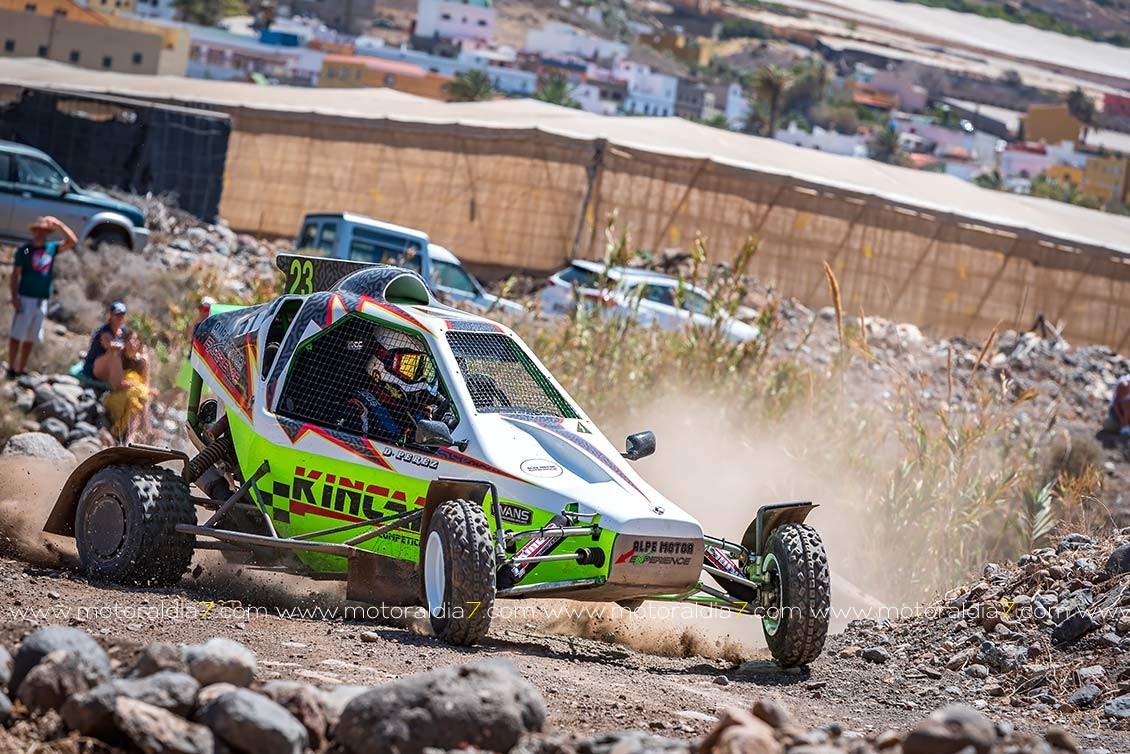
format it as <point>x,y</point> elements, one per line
<point>33,274</point>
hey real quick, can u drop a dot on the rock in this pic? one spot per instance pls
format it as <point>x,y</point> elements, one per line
<point>36,445</point>
<point>485,703</point>
<point>92,713</point>
<point>1118,561</point>
<point>770,712</point>
<point>55,428</point>
<point>977,670</point>
<point>5,667</point>
<point>5,709</point>
<point>55,679</point>
<point>1061,739</point>
<point>721,680</point>
<point>85,448</point>
<point>252,724</point>
<point>624,742</point>
<point>740,732</point>
<point>301,700</point>
<point>961,658</point>
<point>876,654</point>
<point>50,639</point>
<point>43,393</point>
<point>80,431</point>
<point>335,699</point>
<point>1090,673</point>
<point>950,730</point>
<point>1075,542</point>
<point>71,393</point>
<point>208,694</point>
<point>1073,628</point>
<point>1002,657</point>
<point>157,731</point>
<point>1085,696</point>
<point>848,653</point>
<point>1119,707</point>
<point>220,660</point>
<point>56,408</point>
<point>159,656</point>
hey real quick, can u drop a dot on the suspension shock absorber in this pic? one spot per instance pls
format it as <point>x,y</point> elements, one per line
<point>218,449</point>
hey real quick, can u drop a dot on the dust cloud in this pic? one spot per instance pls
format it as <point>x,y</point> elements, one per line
<point>28,490</point>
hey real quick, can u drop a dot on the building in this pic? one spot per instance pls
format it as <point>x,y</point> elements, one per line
<point>160,9</point>
<point>823,140</point>
<point>1051,124</point>
<point>1116,105</point>
<point>1105,178</point>
<point>1064,173</point>
<point>501,65</point>
<point>649,93</point>
<point>601,97</point>
<point>557,39</point>
<point>365,71</point>
<point>690,99</point>
<point>682,46</point>
<point>27,34</point>
<point>349,16</point>
<point>1027,160</point>
<point>901,82</point>
<point>111,6</point>
<point>56,8</point>
<point>222,55</point>
<point>728,100</point>
<point>455,19</point>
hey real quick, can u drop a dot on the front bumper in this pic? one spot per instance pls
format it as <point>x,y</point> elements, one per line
<point>139,238</point>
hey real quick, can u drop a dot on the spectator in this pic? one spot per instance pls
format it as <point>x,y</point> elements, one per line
<point>184,376</point>
<point>1118,415</point>
<point>127,404</point>
<point>104,353</point>
<point>33,274</point>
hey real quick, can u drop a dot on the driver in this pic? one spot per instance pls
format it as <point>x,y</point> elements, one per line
<point>403,390</point>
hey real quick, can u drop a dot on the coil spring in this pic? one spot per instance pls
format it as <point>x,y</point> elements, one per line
<point>215,451</point>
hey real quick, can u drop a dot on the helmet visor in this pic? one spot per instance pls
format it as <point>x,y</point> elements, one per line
<point>410,366</point>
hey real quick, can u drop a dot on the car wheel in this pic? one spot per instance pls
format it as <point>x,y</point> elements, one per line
<point>108,236</point>
<point>458,572</point>
<point>796,624</point>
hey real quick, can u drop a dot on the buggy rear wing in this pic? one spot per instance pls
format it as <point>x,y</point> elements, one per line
<point>304,275</point>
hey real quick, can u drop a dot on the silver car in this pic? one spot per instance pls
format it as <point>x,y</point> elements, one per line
<point>33,185</point>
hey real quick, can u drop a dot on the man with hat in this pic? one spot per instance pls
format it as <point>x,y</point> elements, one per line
<point>33,274</point>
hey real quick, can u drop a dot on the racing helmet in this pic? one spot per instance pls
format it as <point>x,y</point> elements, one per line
<point>404,366</point>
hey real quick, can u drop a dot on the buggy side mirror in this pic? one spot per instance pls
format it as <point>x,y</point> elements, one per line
<point>640,445</point>
<point>436,434</point>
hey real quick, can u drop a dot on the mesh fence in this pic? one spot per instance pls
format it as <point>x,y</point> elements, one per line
<point>366,379</point>
<point>501,378</point>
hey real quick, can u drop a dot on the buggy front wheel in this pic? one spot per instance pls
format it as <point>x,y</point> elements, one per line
<point>458,569</point>
<point>796,620</point>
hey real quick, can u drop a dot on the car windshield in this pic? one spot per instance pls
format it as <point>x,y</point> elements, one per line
<point>448,275</point>
<point>578,276</point>
<point>502,378</point>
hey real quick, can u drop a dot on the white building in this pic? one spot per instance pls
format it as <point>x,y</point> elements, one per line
<point>222,55</point>
<point>730,101</point>
<point>162,9</point>
<point>649,93</point>
<point>455,19</point>
<point>500,64</point>
<point>556,39</point>
<point>823,140</point>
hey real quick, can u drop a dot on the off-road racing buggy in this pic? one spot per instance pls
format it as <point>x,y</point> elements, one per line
<point>358,430</point>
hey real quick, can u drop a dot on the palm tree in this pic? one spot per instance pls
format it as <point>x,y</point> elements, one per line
<point>990,180</point>
<point>470,86</point>
<point>1082,107</point>
<point>770,84</point>
<point>556,90</point>
<point>884,147</point>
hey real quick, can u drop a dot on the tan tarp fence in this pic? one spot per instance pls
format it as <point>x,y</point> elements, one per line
<point>518,184</point>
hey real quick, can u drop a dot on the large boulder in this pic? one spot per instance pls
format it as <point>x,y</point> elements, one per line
<point>158,656</point>
<point>5,667</point>
<point>251,723</point>
<point>304,702</point>
<point>50,639</point>
<point>484,704</point>
<point>220,660</point>
<point>36,445</point>
<point>56,408</point>
<point>92,713</point>
<point>951,729</point>
<point>56,429</point>
<point>153,730</point>
<point>55,679</point>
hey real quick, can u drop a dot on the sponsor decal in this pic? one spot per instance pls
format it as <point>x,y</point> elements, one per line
<point>516,514</point>
<point>582,429</point>
<point>658,552</point>
<point>399,454</point>
<point>540,467</point>
<point>719,559</point>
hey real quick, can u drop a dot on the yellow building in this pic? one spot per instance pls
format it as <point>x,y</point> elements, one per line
<point>1051,124</point>
<point>113,6</point>
<point>1106,178</point>
<point>1065,174</point>
<point>364,71</point>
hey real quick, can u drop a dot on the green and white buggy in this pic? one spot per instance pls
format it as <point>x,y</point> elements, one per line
<point>356,429</point>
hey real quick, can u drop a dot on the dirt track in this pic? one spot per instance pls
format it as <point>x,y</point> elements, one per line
<point>601,683</point>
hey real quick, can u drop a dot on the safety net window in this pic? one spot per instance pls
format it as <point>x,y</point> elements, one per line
<point>364,378</point>
<point>502,378</point>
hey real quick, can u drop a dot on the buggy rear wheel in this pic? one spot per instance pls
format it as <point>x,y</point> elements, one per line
<point>125,525</point>
<point>796,620</point>
<point>458,569</point>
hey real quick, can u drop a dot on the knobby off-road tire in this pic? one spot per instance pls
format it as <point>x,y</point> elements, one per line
<point>125,526</point>
<point>796,558</point>
<point>458,568</point>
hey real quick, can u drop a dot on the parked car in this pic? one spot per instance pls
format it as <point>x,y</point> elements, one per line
<point>651,298</point>
<point>33,185</point>
<point>345,235</point>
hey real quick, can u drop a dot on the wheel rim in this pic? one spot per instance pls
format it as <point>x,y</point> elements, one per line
<point>105,526</point>
<point>435,574</point>
<point>772,570</point>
